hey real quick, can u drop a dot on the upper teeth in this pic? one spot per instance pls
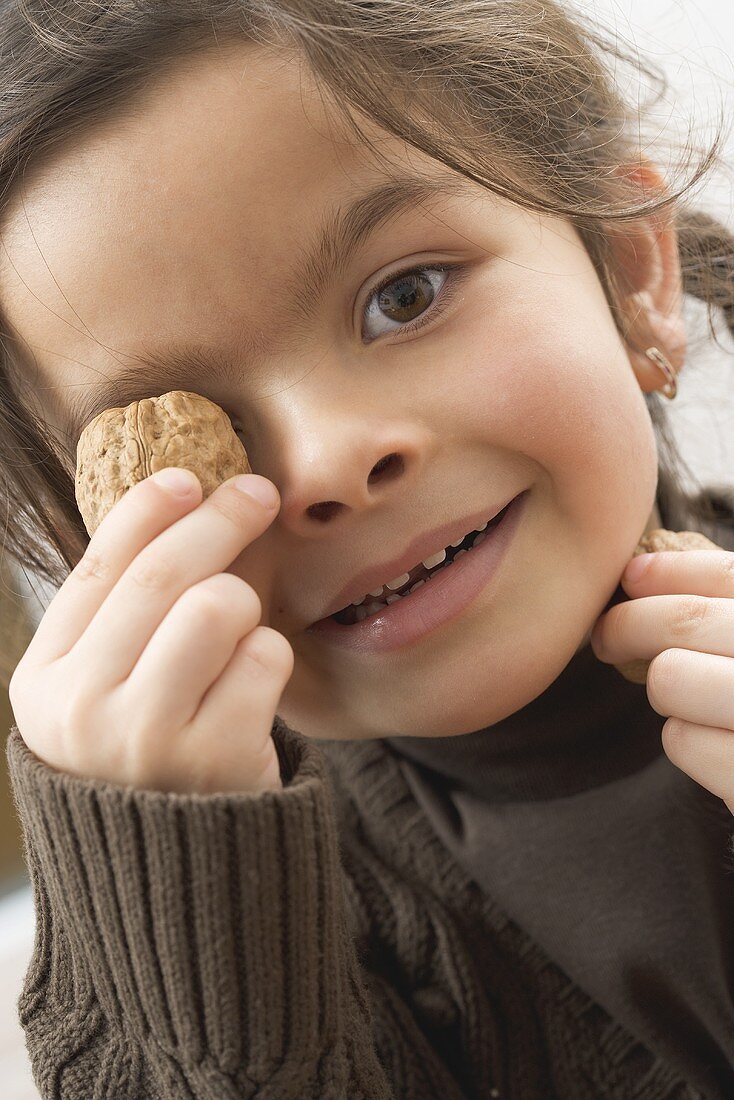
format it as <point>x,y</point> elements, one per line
<point>429,563</point>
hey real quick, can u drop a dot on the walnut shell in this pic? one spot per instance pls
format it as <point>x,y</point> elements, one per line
<point>651,543</point>
<point>122,446</point>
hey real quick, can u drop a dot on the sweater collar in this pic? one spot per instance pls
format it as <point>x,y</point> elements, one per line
<point>590,727</point>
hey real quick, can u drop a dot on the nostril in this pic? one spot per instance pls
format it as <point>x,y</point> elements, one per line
<point>389,460</point>
<point>327,508</point>
<point>323,511</point>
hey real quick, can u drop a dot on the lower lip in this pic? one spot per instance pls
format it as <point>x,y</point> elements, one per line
<point>440,599</point>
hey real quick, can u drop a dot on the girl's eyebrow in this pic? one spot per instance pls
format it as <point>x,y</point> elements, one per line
<point>342,232</point>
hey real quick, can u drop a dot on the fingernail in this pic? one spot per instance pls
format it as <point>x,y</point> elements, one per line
<point>259,488</point>
<point>637,567</point>
<point>175,480</point>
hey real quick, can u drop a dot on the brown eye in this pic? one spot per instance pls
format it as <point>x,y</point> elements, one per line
<point>406,297</point>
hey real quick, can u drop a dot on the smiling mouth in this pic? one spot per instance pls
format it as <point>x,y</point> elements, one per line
<point>418,576</point>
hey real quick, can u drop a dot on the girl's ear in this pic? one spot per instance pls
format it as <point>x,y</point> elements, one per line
<point>648,264</point>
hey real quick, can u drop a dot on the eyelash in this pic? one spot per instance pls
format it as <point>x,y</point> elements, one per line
<point>458,274</point>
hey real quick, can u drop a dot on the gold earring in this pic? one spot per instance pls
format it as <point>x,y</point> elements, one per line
<point>670,389</point>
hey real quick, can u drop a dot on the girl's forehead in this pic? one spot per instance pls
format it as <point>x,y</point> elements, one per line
<point>225,163</point>
<point>243,123</point>
<point>215,195</point>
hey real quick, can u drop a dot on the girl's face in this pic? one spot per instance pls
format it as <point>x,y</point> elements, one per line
<point>187,222</point>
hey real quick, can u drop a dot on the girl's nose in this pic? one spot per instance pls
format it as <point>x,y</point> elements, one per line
<point>333,465</point>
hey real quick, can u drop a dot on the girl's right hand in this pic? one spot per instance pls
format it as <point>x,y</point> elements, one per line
<point>149,667</point>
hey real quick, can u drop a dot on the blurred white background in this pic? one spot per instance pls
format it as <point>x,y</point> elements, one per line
<point>693,40</point>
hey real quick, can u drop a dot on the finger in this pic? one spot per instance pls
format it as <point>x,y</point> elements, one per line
<point>190,649</point>
<point>642,628</point>
<point>699,572</point>
<point>203,542</point>
<point>704,753</point>
<point>145,510</point>
<point>695,687</point>
<point>229,744</point>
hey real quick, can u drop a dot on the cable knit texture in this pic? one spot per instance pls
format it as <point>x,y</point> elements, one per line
<point>314,943</point>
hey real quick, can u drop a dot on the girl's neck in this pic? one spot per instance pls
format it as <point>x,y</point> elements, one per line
<point>591,726</point>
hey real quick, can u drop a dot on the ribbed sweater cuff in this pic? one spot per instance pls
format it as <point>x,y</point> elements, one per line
<point>210,924</point>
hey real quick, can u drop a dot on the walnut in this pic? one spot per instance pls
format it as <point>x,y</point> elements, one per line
<point>122,446</point>
<point>651,543</point>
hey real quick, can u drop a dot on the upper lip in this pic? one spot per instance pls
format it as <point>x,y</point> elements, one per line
<point>423,546</point>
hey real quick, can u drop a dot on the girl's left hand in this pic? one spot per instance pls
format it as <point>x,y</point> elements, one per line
<point>681,618</point>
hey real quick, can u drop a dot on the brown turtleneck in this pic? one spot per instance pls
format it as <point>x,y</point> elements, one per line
<point>571,817</point>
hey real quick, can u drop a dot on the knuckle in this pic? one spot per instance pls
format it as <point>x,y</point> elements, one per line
<point>231,509</point>
<point>91,566</point>
<point>269,650</point>
<point>223,594</point>
<point>151,573</point>
<point>689,612</point>
<point>203,601</point>
<point>235,506</point>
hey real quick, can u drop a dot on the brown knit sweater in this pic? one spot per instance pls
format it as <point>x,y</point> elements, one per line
<point>314,943</point>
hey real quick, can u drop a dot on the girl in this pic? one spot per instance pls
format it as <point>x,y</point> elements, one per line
<point>298,825</point>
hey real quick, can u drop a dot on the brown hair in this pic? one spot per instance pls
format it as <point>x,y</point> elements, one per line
<point>516,95</point>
